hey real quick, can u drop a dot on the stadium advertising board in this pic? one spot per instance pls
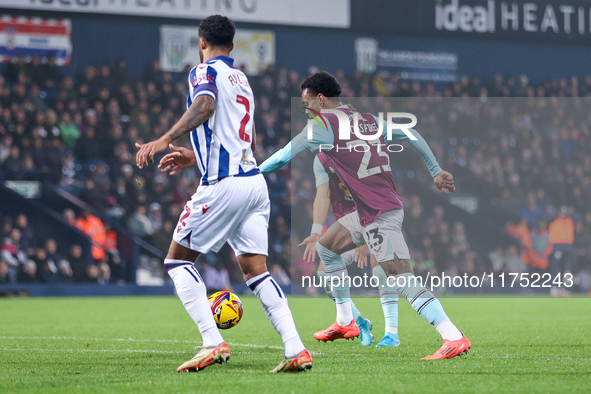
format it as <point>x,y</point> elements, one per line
<point>179,46</point>
<point>417,65</point>
<point>27,189</point>
<point>551,18</point>
<point>35,36</point>
<point>322,13</point>
<point>562,20</point>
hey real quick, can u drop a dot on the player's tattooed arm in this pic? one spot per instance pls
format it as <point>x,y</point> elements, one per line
<point>201,110</point>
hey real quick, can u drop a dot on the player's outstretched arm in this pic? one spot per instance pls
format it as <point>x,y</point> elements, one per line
<point>296,146</point>
<point>417,142</point>
<point>178,160</point>
<point>277,160</point>
<point>319,215</point>
<point>444,181</point>
<point>201,110</point>
<point>419,145</point>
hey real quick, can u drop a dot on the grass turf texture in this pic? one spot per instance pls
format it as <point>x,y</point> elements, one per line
<point>95,345</point>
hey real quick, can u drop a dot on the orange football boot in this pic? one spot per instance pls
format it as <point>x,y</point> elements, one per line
<point>451,349</point>
<point>205,357</point>
<point>337,331</point>
<point>299,363</point>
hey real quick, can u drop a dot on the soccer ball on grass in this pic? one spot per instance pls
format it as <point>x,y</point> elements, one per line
<point>226,308</point>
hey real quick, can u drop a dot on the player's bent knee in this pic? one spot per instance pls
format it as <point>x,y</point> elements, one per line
<point>324,252</point>
<point>252,265</point>
<point>179,252</point>
<point>403,267</point>
<point>397,267</point>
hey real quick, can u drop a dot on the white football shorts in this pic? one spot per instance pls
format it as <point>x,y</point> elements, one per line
<point>351,222</point>
<point>384,237</point>
<point>349,257</point>
<point>234,210</point>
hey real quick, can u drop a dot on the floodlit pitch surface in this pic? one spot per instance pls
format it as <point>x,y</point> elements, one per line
<point>61,345</point>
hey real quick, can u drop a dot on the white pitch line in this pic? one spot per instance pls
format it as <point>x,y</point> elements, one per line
<point>92,350</point>
<point>101,351</point>
<point>136,340</point>
<point>337,354</point>
<point>255,346</point>
<point>100,339</point>
<point>507,357</point>
<point>549,358</point>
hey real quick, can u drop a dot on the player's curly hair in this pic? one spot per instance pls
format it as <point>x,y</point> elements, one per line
<point>322,82</point>
<point>217,31</point>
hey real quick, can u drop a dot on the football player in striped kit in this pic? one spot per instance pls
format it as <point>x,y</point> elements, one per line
<point>232,202</point>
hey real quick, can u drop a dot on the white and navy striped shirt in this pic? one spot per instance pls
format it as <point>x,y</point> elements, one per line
<point>222,144</point>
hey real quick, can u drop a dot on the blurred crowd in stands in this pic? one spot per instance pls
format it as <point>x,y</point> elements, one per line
<point>26,259</point>
<point>79,133</point>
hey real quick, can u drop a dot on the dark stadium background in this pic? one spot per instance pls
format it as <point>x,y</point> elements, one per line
<point>97,172</point>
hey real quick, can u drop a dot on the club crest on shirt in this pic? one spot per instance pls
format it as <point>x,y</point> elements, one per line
<point>345,190</point>
<point>245,161</point>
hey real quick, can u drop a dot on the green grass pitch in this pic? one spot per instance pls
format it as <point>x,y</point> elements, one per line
<point>134,344</point>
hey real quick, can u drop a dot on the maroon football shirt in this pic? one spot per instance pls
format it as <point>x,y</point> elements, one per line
<point>364,167</point>
<point>340,197</point>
